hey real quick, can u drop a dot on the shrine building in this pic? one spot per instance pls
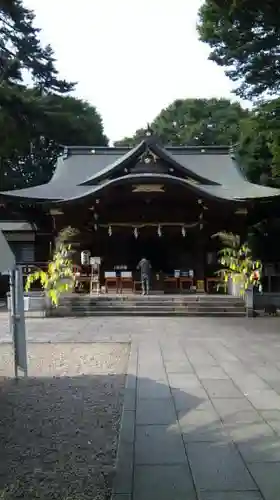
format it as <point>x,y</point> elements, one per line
<point>162,203</point>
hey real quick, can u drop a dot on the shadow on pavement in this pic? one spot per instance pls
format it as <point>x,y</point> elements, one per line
<point>58,441</point>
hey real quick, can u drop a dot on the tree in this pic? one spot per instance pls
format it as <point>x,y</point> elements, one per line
<point>244,36</point>
<point>21,50</point>
<point>68,121</point>
<point>197,122</point>
<point>259,143</point>
<point>35,119</point>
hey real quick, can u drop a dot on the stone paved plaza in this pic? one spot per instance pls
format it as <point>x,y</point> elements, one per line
<point>201,417</point>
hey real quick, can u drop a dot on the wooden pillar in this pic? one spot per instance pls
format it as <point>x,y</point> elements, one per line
<point>200,262</point>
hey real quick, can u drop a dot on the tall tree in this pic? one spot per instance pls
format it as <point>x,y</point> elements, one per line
<point>244,36</point>
<point>35,119</point>
<point>197,122</point>
<point>21,50</point>
<point>259,143</point>
<point>69,121</point>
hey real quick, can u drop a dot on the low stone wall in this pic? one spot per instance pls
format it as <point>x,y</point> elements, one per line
<point>261,300</point>
<point>35,304</point>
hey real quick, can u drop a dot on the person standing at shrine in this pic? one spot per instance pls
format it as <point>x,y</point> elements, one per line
<point>145,270</point>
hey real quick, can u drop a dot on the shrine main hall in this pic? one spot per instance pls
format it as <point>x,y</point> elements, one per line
<point>162,203</point>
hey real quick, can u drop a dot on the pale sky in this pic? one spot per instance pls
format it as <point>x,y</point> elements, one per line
<point>131,58</point>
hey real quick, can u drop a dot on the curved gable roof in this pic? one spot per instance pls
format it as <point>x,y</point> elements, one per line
<point>87,170</point>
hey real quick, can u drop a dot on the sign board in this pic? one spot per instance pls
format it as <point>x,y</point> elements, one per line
<point>148,188</point>
<point>7,260</point>
<point>95,261</point>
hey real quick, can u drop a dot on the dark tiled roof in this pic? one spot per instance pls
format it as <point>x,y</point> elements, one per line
<point>214,169</point>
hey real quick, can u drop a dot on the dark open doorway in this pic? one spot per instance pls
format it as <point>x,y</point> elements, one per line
<point>153,248</point>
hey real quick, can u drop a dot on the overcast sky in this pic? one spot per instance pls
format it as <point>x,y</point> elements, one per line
<point>131,58</point>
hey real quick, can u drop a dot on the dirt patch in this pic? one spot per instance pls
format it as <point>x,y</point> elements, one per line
<point>59,428</point>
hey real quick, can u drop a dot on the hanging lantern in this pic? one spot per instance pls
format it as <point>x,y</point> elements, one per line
<point>110,231</point>
<point>183,232</point>
<point>200,226</point>
<point>159,231</point>
<point>95,227</point>
<point>95,215</point>
<point>135,232</point>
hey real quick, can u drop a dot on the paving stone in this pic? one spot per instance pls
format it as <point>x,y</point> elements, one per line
<point>123,480</point>
<point>121,497</point>
<point>218,468</point>
<point>127,430</point>
<point>248,382</point>
<point>182,366</point>
<point>230,495</point>
<point>221,389</point>
<point>272,417</point>
<point>229,406</point>
<point>130,383</point>
<point>157,444</point>
<point>243,417</point>
<point>155,411</point>
<point>201,426</point>
<point>275,385</point>
<point>184,401</point>
<point>211,372</point>
<point>129,399</point>
<point>200,357</point>
<point>183,380</point>
<point>267,372</point>
<point>264,399</point>
<point>153,389</point>
<point>262,449</point>
<point>246,431</point>
<point>163,482</point>
<point>152,372</point>
<point>267,477</point>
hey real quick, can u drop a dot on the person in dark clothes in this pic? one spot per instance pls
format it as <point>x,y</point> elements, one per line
<point>145,269</point>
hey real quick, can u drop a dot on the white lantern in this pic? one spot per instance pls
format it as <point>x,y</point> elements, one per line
<point>135,232</point>
<point>183,232</point>
<point>159,231</point>
<point>85,257</point>
<point>110,231</point>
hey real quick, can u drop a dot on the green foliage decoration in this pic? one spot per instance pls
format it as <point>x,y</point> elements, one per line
<point>237,262</point>
<point>59,276</point>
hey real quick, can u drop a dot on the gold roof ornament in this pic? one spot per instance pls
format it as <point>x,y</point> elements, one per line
<point>148,188</point>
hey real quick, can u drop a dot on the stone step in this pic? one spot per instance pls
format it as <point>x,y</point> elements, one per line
<point>136,313</point>
<point>144,301</point>
<point>160,307</point>
<point>155,305</point>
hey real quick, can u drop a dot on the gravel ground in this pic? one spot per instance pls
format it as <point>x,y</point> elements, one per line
<point>58,428</point>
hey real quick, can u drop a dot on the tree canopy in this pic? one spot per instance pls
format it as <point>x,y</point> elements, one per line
<point>200,122</point>
<point>244,36</point>
<point>196,122</point>
<point>37,117</point>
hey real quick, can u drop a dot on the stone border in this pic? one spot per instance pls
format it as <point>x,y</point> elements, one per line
<point>123,481</point>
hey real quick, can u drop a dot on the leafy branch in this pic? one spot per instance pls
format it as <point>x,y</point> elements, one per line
<point>237,262</point>
<point>59,276</point>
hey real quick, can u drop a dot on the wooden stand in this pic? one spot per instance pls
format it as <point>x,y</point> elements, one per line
<point>94,286</point>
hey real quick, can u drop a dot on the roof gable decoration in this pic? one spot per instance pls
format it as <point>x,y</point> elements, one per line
<point>148,157</point>
<point>150,153</point>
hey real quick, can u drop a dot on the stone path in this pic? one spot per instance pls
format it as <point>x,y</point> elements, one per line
<point>201,417</point>
<point>201,420</point>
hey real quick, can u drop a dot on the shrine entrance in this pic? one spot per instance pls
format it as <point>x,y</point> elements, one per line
<point>152,247</point>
